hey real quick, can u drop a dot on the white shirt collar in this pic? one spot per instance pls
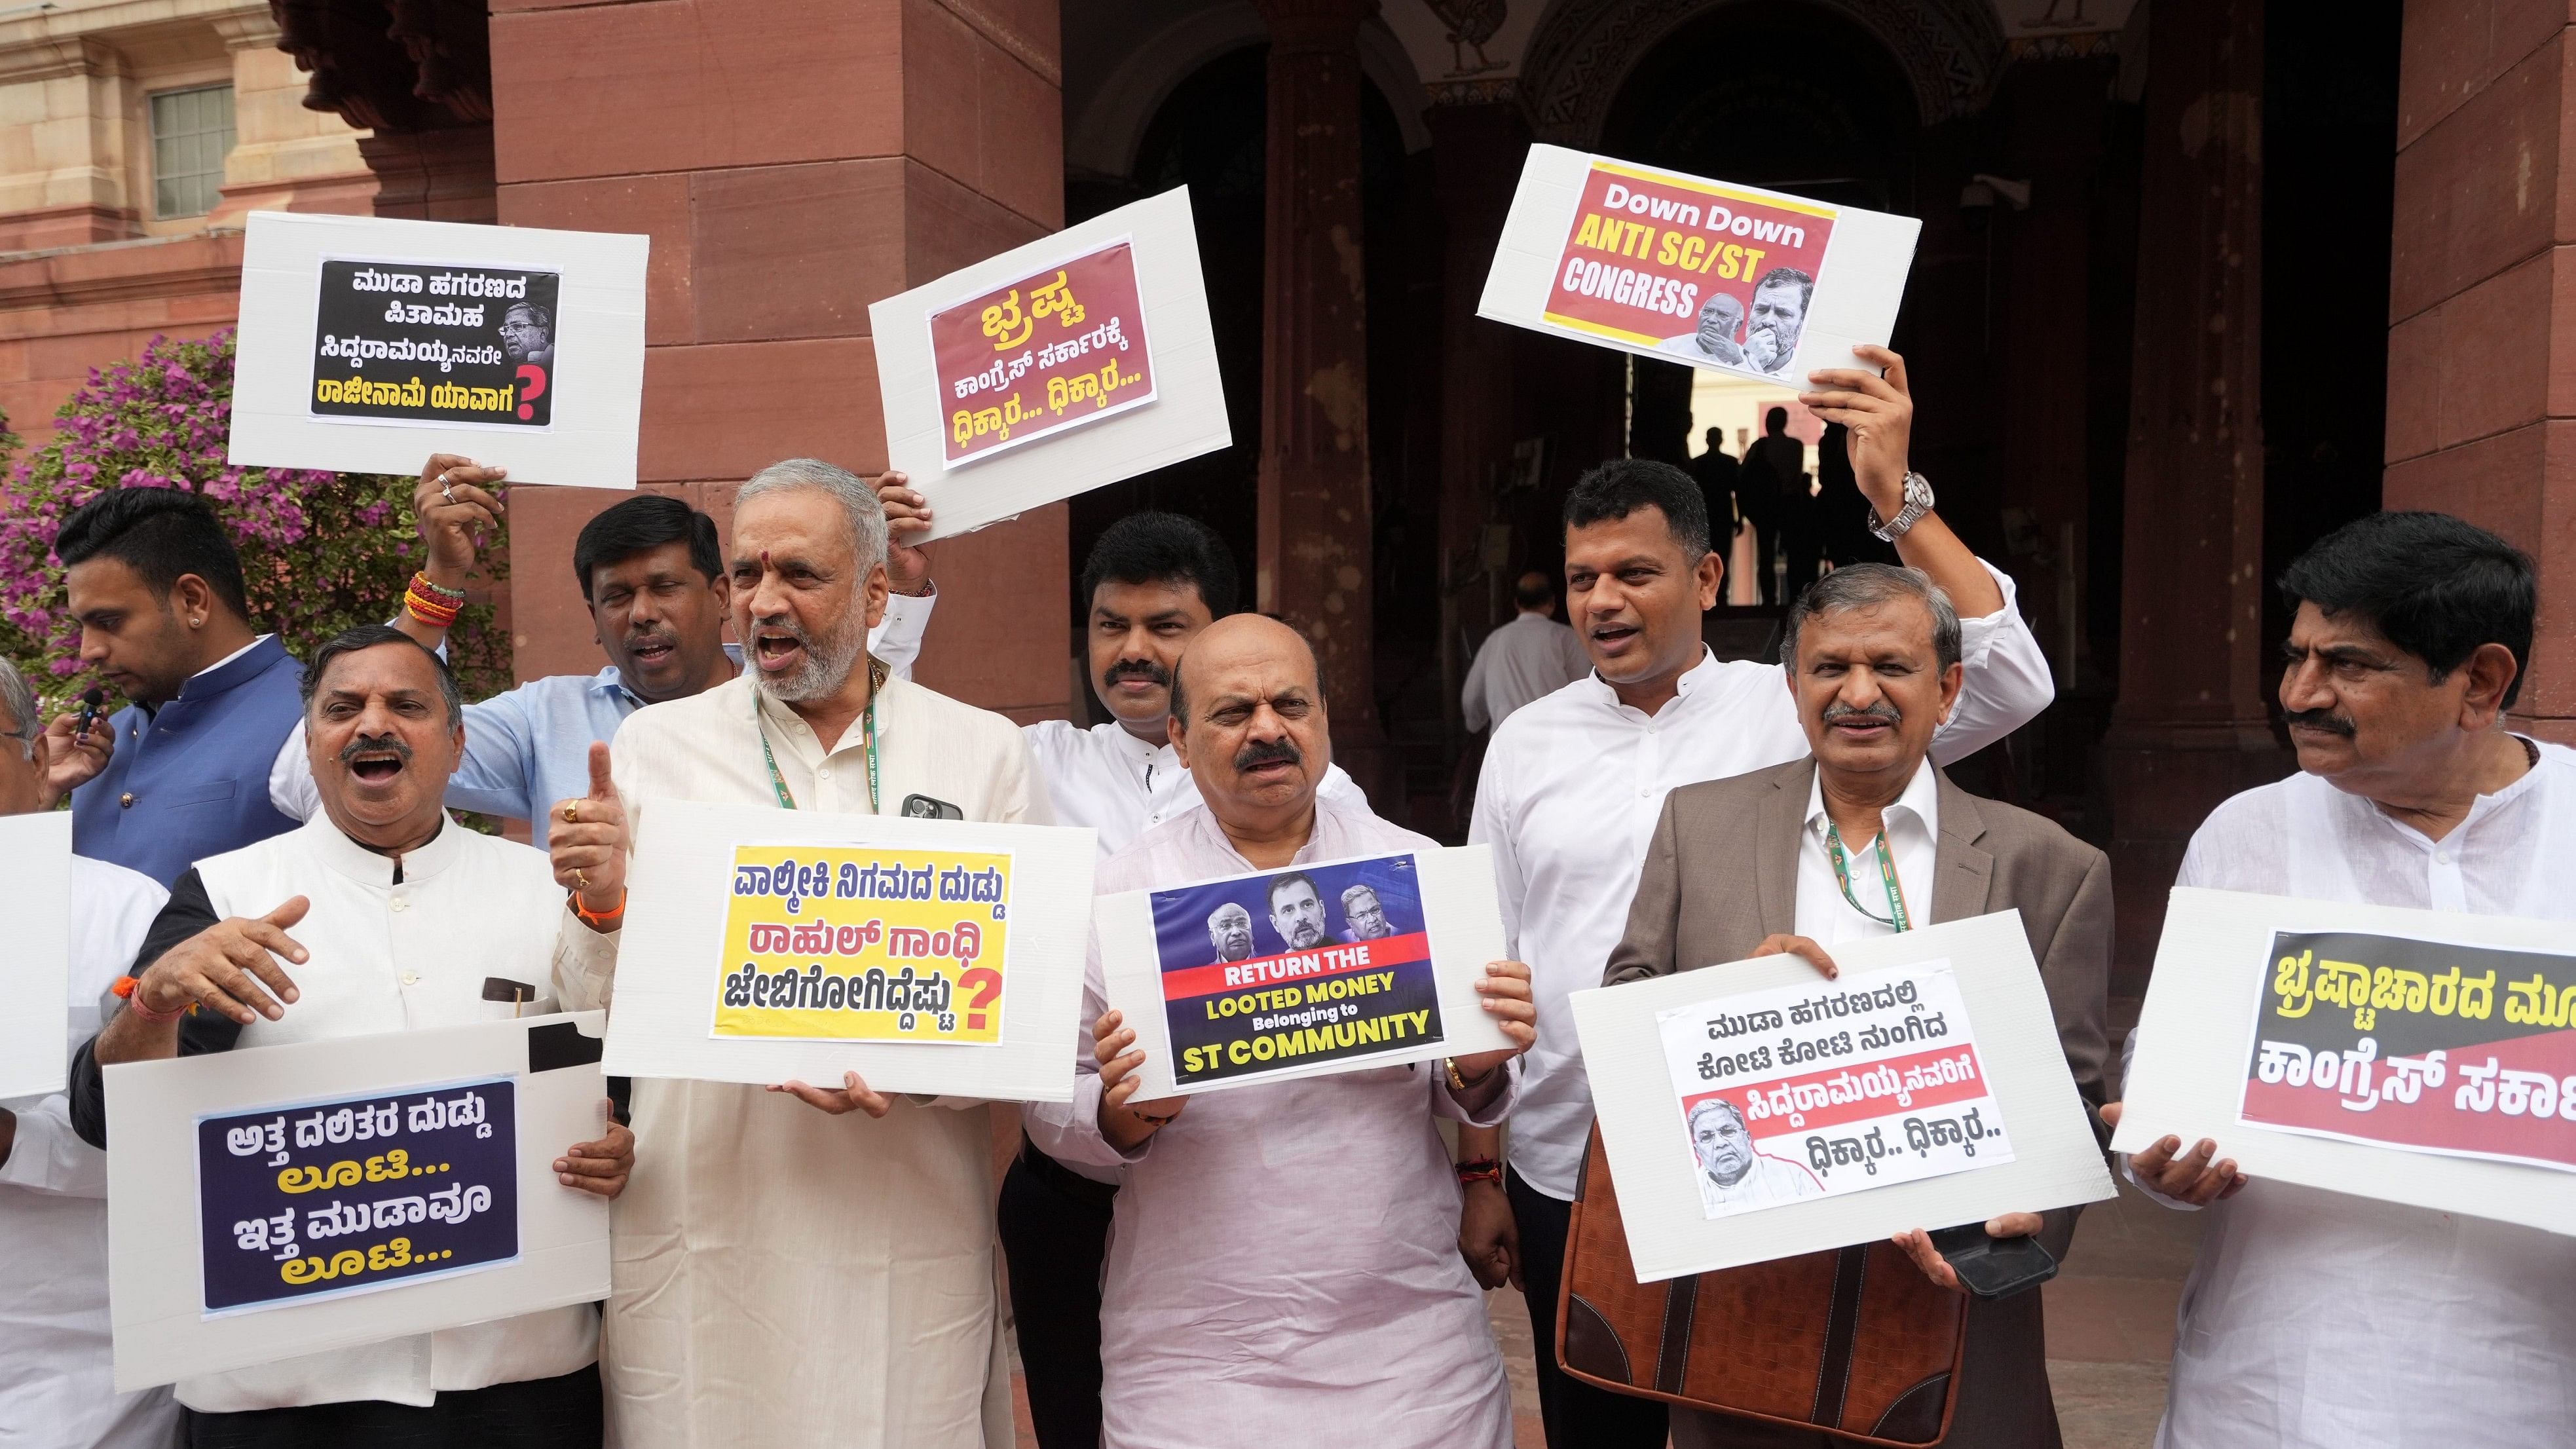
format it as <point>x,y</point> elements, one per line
<point>366,867</point>
<point>1921,800</point>
<point>229,658</point>
<point>1690,680</point>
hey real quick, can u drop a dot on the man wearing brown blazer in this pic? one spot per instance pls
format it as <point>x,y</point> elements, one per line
<point>1854,842</point>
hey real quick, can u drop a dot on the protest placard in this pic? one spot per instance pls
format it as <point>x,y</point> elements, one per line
<point>1731,278</point>
<point>333,1193</point>
<point>1054,368</point>
<point>1755,1110</point>
<point>368,343</point>
<point>1322,968</point>
<point>35,973</point>
<point>932,956</point>
<point>2418,1057</point>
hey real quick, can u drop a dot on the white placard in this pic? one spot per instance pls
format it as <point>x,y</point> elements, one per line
<point>688,1005</point>
<point>1184,418</point>
<point>168,1267</point>
<point>328,378</point>
<point>1298,1004</point>
<point>2197,1053</point>
<point>2055,1160</point>
<point>1635,258</point>
<point>35,973</point>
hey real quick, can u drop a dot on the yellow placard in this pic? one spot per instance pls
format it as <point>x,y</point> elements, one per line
<point>858,943</point>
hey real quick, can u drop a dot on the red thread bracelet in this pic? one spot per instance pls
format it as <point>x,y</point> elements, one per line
<point>132,990</point>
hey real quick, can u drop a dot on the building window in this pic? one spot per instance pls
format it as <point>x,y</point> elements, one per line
<point>192,131</point>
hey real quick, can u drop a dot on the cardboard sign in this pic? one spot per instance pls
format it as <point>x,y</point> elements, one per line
<point>1304,972</point>
<point>1812,1090</point>
<point>920,952</point>
<point>765,945</point>
<point>1863,1075</point>
<point>1730,278</point>
<point>2416,1057</point>
<point>35,1033</point>
<point>1029,376</point>
<point>419,1184</point>
<point>369,343</point>
<point>1074,351</point>
<point>271,1202</point>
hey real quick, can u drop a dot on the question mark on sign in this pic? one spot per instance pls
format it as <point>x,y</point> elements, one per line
<point>532,380</point>
<point>986,984</point>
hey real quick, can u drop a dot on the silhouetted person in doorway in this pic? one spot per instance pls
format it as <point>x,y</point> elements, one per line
<point>1719,473</point>
<point>1773,491</point>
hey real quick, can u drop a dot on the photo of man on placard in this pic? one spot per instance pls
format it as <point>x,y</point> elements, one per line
<point>1230,931</point>
<point>1778,320</point>
<point>1297,913</point>
<point>528,334</point>
<point>1363,915</point>
<point>1733,1177</point>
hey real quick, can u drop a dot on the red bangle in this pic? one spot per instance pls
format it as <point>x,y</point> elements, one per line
<point>132,990</point>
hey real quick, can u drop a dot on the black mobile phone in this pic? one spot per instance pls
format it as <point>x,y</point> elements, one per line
<point>1993,1267</point>
<point>923,807</point>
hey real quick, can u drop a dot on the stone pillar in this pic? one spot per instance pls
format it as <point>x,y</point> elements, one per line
<point>1316,540</point>
<point>63,177</point>
<point>920,135</point>
<point>2482,301</point>
<point>2190,728</point>
<point>1476,155</point>
<point>286,155</point>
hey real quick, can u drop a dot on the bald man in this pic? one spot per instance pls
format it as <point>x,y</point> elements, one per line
<point>1533,655</point>
<point>1286,1327</point>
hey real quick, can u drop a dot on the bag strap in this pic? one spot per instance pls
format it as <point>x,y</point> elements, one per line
<point>1842,1332</point>
<point>1672,1353</point>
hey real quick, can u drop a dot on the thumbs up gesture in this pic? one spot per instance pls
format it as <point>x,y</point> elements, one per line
<point>586,841</point>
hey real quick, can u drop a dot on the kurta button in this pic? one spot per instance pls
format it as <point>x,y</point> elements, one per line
<point>402,905</point>
<point>126,800</point>
<point>411,978</point>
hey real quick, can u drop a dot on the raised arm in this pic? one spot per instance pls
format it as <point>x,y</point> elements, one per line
<point>455,516</point>
<point>897,640</point>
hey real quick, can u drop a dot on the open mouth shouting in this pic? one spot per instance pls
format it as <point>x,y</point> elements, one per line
<point>779,647</point>
<point>376,759</point>
<point>651,650</point>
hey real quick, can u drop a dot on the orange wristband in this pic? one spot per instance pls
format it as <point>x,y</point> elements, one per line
<point>132,990</point>
<point>601,919</point>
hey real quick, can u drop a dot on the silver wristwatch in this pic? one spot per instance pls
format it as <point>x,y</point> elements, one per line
<point>1918,502</point>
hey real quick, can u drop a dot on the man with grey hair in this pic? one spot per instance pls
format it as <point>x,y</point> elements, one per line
<point>53,1186</point>
<point>1863,838</point>
<point>773,1226</point>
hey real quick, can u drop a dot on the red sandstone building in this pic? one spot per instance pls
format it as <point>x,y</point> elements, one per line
<point>2198,280</point>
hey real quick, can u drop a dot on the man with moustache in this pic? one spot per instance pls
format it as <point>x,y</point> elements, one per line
<point>1230,932</point>
<point>651,572</point>
<point>1574,781</point>
<point>1865,838</point>
<point>1777,320</point>
<point>287,941</point>
<point>1297,913</point>
<point>810,1266</point>
<point>1151,582</point>
<point>2312,1318</point>
<point>1287,1326</point>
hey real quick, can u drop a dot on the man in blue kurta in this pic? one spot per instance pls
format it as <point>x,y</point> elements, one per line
<point>184,770</point>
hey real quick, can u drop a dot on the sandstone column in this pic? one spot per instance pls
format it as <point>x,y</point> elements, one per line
<point>2190,727</point>
<point>1316,539</point>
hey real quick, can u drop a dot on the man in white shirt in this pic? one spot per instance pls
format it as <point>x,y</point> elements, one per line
<point>1533,655</point>
<point>57,1381</point>
<point>400,918</point>
<point>1154,580</point>
<point>1572,784</point>
<point>2316,1319</point>
<point>817,1271</point>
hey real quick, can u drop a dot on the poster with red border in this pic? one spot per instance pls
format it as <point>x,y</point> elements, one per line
<point>1058,348</point>
<point>1731,278</point>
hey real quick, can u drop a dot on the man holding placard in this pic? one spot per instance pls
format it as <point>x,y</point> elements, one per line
<point>854,1225</point>
<point>1573,782</point>
<point>2315,1318</point>
<point>1330,1305</point>
<point>1865,839</point>
<point>381,915</point>
<point>55,1356</point>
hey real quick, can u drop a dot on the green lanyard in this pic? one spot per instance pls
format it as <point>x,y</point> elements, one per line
<point>1896,916</point>
<point>778,782</point>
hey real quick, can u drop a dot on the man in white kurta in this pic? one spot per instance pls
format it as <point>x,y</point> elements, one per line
<point>56,1379</point>
<point>1283,1268</point>
<point>2313,1319</point>
<point>786,1276</point>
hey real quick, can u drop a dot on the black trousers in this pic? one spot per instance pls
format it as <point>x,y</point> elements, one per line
<point>1576,1415</point>
<point>1054,1225</point>
<point>558,1413</point>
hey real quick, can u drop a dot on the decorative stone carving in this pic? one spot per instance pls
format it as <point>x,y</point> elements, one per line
<point>392,65</point>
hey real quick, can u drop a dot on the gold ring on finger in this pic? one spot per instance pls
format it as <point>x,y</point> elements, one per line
<point>572,812</point>
<point>580,882</point>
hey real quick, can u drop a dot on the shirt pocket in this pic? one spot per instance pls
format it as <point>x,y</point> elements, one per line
<point>202,792</point>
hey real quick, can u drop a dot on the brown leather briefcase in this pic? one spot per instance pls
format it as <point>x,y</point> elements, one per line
<point>1856,1342</point>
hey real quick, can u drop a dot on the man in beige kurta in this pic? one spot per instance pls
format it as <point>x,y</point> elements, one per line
<point>789,1276</point>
